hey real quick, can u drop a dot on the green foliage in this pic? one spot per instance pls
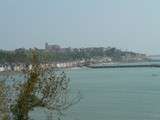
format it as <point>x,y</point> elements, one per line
<point>3,101</point>
<point>43,88</point>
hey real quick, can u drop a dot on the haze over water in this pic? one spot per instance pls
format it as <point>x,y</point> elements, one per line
<point>125,24</point>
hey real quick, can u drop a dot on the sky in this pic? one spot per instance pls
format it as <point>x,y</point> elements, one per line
<point>132,25</point>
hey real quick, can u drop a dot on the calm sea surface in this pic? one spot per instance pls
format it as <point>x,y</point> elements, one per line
<point>115,94</point>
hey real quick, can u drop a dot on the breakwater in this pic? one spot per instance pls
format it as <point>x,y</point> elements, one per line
<point>125,66</point>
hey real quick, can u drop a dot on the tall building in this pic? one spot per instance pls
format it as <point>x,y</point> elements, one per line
<point>53,48</point>
<point>46,45</point>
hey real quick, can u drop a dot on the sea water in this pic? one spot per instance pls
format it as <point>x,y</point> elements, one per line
<point>114,94</point>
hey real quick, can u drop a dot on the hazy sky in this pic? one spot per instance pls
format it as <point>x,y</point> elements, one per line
<point>125,24</point>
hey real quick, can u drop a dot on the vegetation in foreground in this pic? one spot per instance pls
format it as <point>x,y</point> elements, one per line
<point>41,87</point>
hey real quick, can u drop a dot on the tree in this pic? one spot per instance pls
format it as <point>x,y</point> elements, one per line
<point>42,87</point>
<point>3,101</point>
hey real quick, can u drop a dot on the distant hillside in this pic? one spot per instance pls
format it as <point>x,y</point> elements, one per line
<point>22,55</point>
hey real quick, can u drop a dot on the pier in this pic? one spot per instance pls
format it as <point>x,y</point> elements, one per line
<point>125,66</point>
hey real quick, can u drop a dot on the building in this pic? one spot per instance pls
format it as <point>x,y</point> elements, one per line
<point>52,48</point>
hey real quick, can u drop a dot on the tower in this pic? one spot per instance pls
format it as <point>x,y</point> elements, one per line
<point>46,45</point>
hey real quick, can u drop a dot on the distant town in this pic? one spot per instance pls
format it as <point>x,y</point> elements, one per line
<point>57,57</point>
